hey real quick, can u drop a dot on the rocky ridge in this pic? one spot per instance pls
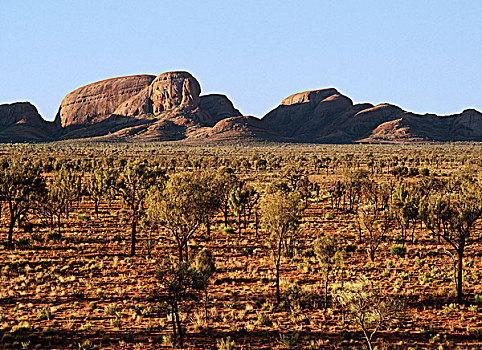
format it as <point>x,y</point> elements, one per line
<point>170,107</point>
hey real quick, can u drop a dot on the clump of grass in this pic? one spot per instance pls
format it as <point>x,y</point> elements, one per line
<point>44,313</point>
<point>288,341</point>
<point>111,309</point>
<point>398,250</point>
<point>226,344</point>
<point>228,230</point>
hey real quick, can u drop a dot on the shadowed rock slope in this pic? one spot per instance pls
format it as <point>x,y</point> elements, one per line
<point>21,122</point>
<point>328,116</point>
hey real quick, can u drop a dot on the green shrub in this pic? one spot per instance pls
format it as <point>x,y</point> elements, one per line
<point>111,309</point>
<point>21,241</point>
<point>227,230</point>
<point>398,250</point>
<point>329,216</point>
<point>85,217</point>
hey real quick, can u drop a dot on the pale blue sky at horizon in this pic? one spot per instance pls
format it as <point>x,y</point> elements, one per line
<point>424,56</point>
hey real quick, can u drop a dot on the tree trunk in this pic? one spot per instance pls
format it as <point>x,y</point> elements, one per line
<point>239,224</point>
<point>59,223</point>
<point>180,331</point>
<point>278,263</point>
<point>133,236</point>
<point>96,208</point>
<point>174,326</point>
<point>278,294</point>
<point>186,252</point>
<point>245,221</point>
<point>225,212</point>
<point>181,252</point>
<point>256,222</point>
<point>460,273</point>
<point>326,289</point>
<point>208,227</point>
<point>206,305</point>
<point>11,224</point>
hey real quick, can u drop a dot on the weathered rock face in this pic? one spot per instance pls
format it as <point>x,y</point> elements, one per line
<point>168,100</point>
<point>20,122</point>
<point>96,102</point>
<point>174,90</point>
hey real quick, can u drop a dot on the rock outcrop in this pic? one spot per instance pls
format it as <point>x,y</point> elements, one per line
<point>96,102</point>
<point>150,107</point>
<point>170,107</point>
<point>328,116</point>
<point>21,122</point>
<point>236,129</point>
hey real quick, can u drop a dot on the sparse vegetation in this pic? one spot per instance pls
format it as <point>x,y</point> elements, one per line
<point>69,278</point>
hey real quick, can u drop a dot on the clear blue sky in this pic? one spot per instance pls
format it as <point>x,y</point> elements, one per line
<point>423,55</point>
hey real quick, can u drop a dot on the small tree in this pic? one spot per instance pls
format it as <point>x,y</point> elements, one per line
<point>134,183</point>
<point>70,184</point>
<point>376,223</point>
<point>226,182</point>
<point>405,209</point>
<point>179,281</point>
<point>179,207</point>
<point>204,263</point>
<point>366,306</point>
<point>452,215</point>
<point>330,254</point>
<point>98,185</point>
<point>237,202</point>
<point>280,218</point>
<point>52,204</point>
<point>21,186</point>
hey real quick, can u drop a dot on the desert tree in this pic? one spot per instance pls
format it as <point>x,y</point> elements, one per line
<point>280,217</point>
<point>336,193</point>
<point>70,184</point>
<point>181,283</point>
<point>21,186</point>
<point>367,307</point>
<point>226,181</point>
<point>451,215</point>
<point>135,181</point>
<point>376,223</point>
<point>206,268</point>
<point>353,185</point>
<point>330,255</point>
<point>293,179</point>
<point>238,200</point>
<point>179,208</point>
<point>51,206</point>
<point>99,184</point>
<point>405,208</point>
<point>212,198</point>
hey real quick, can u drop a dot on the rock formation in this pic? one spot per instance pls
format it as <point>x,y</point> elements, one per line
<point>98,101</point>
<point>21,122</point>
<point>170,107</point>
<point>327,116</point>
<point>152,106</point>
